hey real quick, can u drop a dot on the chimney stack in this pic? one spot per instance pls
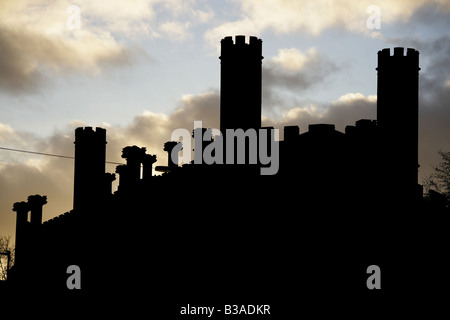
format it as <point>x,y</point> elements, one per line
<point>35,203</point>
<point>21,209</point>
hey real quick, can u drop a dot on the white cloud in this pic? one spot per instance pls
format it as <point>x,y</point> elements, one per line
<point>354,97</point>
<point>175,30</point>
<point>293,59</point>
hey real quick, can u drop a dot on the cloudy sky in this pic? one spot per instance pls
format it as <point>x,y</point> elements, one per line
<point>142,68</point>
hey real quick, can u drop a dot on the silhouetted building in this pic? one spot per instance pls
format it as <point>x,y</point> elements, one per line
<point>240,83</point>
<point>90,183</point>
<point>398,119</point>
<point>334,192</point>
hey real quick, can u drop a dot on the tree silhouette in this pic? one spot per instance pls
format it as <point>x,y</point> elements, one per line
<point>5,247</point>
<point>439,180</point>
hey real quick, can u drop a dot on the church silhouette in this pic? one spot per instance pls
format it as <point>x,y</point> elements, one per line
<point>212,234</point>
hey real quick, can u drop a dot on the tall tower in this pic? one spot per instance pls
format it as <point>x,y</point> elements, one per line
<point>240,83</point>
<point>90,157</point>
<point>398,119</point>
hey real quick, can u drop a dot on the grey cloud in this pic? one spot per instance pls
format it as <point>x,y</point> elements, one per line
<point>433,15</point>
<point>434,98</point>
<point>314,72</point>
<point>28,58</point>
<point>15,72</point>
<point>279,83</point>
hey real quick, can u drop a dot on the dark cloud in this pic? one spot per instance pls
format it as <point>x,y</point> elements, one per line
<point>434,102</point>
<point>291,73</point>
<point>434,97</point>
<point>315,69</point>
<point>30,59</point>
<point>432,15</point>
<point>16,72</point>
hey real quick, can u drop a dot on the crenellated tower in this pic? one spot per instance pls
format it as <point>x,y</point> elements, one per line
<point>90,158</point>
<point>398,119</point>
<point>240,83</point>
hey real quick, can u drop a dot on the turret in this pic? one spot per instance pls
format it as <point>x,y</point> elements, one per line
<point>397,120</point>
<point>90,157</point>
<point>21,209</point>
<point>240,83</point>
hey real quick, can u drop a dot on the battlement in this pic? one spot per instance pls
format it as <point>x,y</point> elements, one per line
<point>321,128</point>
<point>88,133</point>
<point>60,220</point>
<point>228,46</point>
<point>411,58</point>
<point>291,132</point>
<point>398,52</point>
<point>240,41</point>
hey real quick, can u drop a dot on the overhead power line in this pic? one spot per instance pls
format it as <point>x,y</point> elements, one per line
<point>48,154</point>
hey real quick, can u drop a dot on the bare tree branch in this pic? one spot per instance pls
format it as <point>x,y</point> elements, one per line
<point>439,180</point>
<point>5,246</point>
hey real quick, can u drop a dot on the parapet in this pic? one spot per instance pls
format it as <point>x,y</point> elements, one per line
<point>398,58</point>
<point>398,52</point>
<point>366,124</point>
<point>240,41</point>
<point>291,133</point>
<point>362,126</point>
<point>60,220</point>
<point>228,47</point>
<point>88,134</point>
<point>321,128</point>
